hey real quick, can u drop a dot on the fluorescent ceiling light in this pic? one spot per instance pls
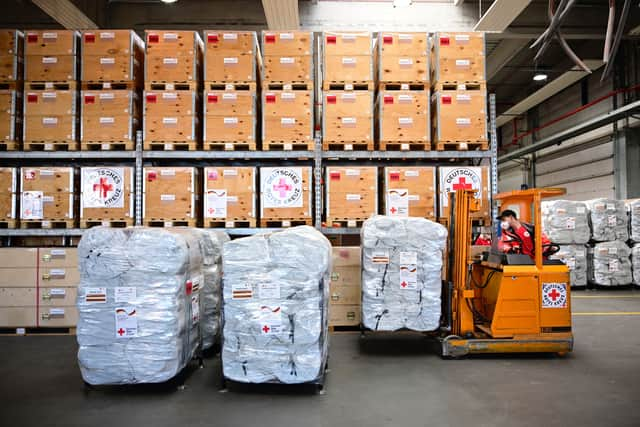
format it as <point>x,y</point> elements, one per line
<point>169,1</point>
<point>540,77</point>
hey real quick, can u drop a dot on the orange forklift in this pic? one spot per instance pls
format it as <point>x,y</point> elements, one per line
<point>504,303</point>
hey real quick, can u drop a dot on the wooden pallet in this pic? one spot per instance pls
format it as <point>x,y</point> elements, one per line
<point>9,146</point>
<point>462,85</point>
<point>8,223</point>
<point>363,85</point>
<point>170,146</point>
<point>190,222</point>
<point>284,222</point>
<point>50,146</point>
<point>228,146</point>
<point>345,222</point>
<point>462,145</point>
<point>343,328</point>
<point>171,85</point>
<point>404,146</point>
<point>17,332</point>
<point>113,223</point>
<point>287,146</point>
<point>10,85</point>
<point>347,146</point>
<point>56,85</point>
<point>111,85</point>
<point>282,85</point>
<point>418,86</point>
<point>46,223</point>
<point>107,146</point>
<point>229,223</point>
<point>240,86</point>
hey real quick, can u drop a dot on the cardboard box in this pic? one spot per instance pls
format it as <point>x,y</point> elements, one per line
<point>48,102</point>
<point>465,177</point>
<point>15,277</point>
<point>410,191</point>
<point>344,315</point>
<point>230,193</point>
<point>287,43</point>
<point>51,42</point>
<point>106,193</point>
<point>18,258</point>
<point>351,192</point>
<point>404,116</point>
<point>286,192</point>
<point>169,193</point>
<point>58,257</point>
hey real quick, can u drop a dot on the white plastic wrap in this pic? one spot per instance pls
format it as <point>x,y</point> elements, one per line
<point>634,218</point>
<point>608,219</point>
<point>635,263</point>
<point>575,257</point>
<point>566,222</point>
<point>402,273</point>
<point>275,301</point>
<point>610,264</point>
<point>138,304</point>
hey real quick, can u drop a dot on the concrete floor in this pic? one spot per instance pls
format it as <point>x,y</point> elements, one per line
<point>393,381</point>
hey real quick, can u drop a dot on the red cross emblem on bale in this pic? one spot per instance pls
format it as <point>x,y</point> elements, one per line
<point>462,184</point>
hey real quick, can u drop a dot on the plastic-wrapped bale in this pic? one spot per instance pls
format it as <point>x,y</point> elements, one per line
<point>634,218</point>
<point>609,220</point>
<point>610,264</point>
<point>402,273</point>
<point>575,257</point>
<point>566,222</point>
<point>635,263</point>
<point>138,304</point>
<point>275,306</point>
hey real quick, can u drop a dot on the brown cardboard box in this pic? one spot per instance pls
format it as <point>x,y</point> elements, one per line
<point>58,257</point>
<point>18,258</point>
<point>344,315</point>
<point>18,277</point>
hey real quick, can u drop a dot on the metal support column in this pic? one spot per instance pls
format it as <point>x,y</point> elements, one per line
<point>317,182</point>
<point>494,154</point>
<point>138,172</point>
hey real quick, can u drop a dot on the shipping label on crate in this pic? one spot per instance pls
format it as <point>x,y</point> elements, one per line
<point>409,271</point>
<point>398,202</point>
<point>31,204</point>
<point>270,320</point>
<point>282,188</point>
<point>461,178</point>
<point>126,322</point>
<point>215,204</point>
<point>103,187</point>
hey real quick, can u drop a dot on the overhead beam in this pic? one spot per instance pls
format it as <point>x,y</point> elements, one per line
<point>502,54</point>
<point>281,14</point>
<point>501,14</point>
<point>458,2</point>
<point>547,91</point>
<point>66,13</point>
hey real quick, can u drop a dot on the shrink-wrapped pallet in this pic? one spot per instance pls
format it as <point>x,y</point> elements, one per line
<point>635,263</point>
<point>566,222</point>
<point>634,218</point>
<point>276,293</point>
<point>575,257</point>
<point>138,303</point>
<point>401,273</point>
<point>609,220</point>
<point>610,264</point>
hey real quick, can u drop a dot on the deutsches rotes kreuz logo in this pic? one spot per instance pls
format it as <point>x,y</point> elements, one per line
<point>282,187</point>
<point>103,188</point>
<point>554,295</point>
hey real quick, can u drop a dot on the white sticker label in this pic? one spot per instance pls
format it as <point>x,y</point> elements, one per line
<point>126,322</point>
<point>405,121</point>
<point>169,95</point>
<point>380,256</point>
<point>570,223</point>
<point>195,309</point>
<point>168,172</point>
<point>353,197</point>
<point>107,61</point>
<point>613,250</point>
<point>352,172</point>
<point>230,172</point>
<point>167,197</point>
<point>49,121</point>
<point>398,202</point>
<point>612,220</point>
<point>614,265</point>
<point>349,120</point>
<point>230,121</point>
<point>107,95</point>
<point>270,320</point>
<point>348,97</point>
<point>412,173</point>
<point>170,36</point>
<point>229,36</point>
<point>463,121</point>
<point>103,187</point>
<point>58,252</point>
<point>463,97</point>
<point>107,120</point>
<point>170,61</point>
<point>287,96</point>
<point>105,35</point>
<point>554,295</point>
<point>286,36</point>
<point>230,60</point>
<point>125,294</point>
<point>49,60</point>
<point>611,206</point>
<point>57,272</point>
<point>49,35</point>
<point>405,37</point>
<point>269,291</point>
<point>170,120</point>
<point>580,209</point>
<point>216,204</point>
<point>241,291</point>
<point>229,96</point>
<point>31,203</point>
<point>49,95</point>
<point>348,61</point>
<point>287,121</point>
<point>461,37</point>
<point>405,99</point>
<point>463,63</point>
<point>405,62</point>
<point>282,187</point>
<point>95,295</point>
<point>287,61</point>
<point>56,312</point>
<point>408,270</point>
<point>414,197</point>
<point>57,292</point>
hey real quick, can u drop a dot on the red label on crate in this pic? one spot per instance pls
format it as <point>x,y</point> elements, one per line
<point>388,99</point>
<point>188,287</point>
<point>32,97</point>
<point>32,38</point>
<point>212,99</point>
<point>152,97</point>
<point>270,98</point>
<point>89,38</point>
<point>269,38</point>
<point>387,39</point>
<point>331,99</point>
<point>212,38</point>
<point>331,39</point>
<point>394,176</point>
<point>154,38</point>
<point>212,175</point>
<point>446,99</point>
<point>152,176</point>
<point>89,99</point>
<point>444,41</point>
<point>335,176</point>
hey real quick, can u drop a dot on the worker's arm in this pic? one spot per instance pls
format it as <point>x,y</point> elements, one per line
<point>527,240</point>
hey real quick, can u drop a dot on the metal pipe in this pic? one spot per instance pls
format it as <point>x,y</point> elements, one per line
<point>565,46</point>
<point>616,41</point>
<point>610,23</point>
<point>553,28</point>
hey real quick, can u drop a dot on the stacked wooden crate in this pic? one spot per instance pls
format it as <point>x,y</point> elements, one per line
<point>345,303</point>
<point>285,196</point>
<point>459,100</point>
<point>403,100</point>
<point>11,52</point>
<point>351,195</point>
<point>230,110</point>
<point>173,69</point>
<point>170,196</point>
<point>287,90</point>
<point>106,196</point>
<point>410,191</point>
<point>348,97</point>
<point>50,74</point>
<point>111,80</point>
<point>230,197</point>
<point>46,197</point>
<point>8,189</point>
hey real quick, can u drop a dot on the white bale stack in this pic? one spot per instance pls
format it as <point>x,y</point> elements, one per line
<point>402,273</point>
<point>635,263</point>
<point>609,220</point>
<point>610,264</point>
<point>138,304</point>
<point>566,222</point>
<point>575,257</point>
<point>634,218</point>
<point>276,296</point>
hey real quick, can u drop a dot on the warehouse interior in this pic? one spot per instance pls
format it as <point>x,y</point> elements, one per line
<point>324,199</point>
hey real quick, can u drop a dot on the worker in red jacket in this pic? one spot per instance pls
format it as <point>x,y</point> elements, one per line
<point>517,236</point>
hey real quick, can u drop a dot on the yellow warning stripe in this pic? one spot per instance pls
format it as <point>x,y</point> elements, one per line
<point>607,313</point>
<point>603,296</point>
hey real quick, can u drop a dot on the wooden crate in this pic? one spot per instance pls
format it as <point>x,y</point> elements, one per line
<point>47,179</point>
<point>106,194</point>
<point>287,116</point>
<point>466,177</point>
<point>404,116</point>
<point>229,102</point>
<point>171,103</point>
<point>60,68</point>
<point>347,116</point>
<point>337,68</point>
<point>226,67</point>
<point>46,102</point>
<point>58,128</point>
<point>394,44</point>
<point>115,68</point>
<point>460,117</point>
<point>347,43</point>
<point>413,69</point>
<point>286,193</point>
<point>170,42</point>
<point>241,129</point>
<point>351,193</point>
<point>171,69</point>
<point>170,194</point>
<point>111,42</point>
<point>114,128</point>
<point>173,56</point>
<point>410,191</point>
<point>287,69</point>
<point>51,42</point>
<point>10,101</point>
<point>10,68</point>
<point>458,57</point>
<point>10,127</point>
<point>229,194</point>
<point>8,189</point>
<point>11,42</point>
<point>109,103</point>
<point>178,128</point>
<point>344,315</point>
<point>287,43</point>
<point>239,42</point>
<point>45,206</point>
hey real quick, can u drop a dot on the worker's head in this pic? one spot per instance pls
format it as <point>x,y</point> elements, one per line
<point>507,218</point>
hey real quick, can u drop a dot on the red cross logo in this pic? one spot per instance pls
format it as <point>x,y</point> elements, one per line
<point>211,210</point>
<point>554,295</point>
<point>403,284</point>
<point>103,187</point>
<point>282,187</point>
<point>393,210</point>
<point>266,329</point>
<point>462,184</point>
<point>121,332</point>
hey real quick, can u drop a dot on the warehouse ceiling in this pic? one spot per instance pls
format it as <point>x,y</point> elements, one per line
<point>513,25</point>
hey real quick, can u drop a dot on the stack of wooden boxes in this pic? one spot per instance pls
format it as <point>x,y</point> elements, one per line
<point>351,195</point>
<point>46,197</point>
<point>106,196</point>
<point>11,52</point>
<point>345,303</point>
<point>459,100</point>
<point>410,191</point>
<point>170,196</point>
<point>348,91</point>
<point>8,189</point>
<point>111,74</point>
<point>230,196</point>
<point>38,288</point>
<point>230,110</point>
<point>287,90</point>
<point>173,69</point>
<point>50,105</point>
<point>403,99</point>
